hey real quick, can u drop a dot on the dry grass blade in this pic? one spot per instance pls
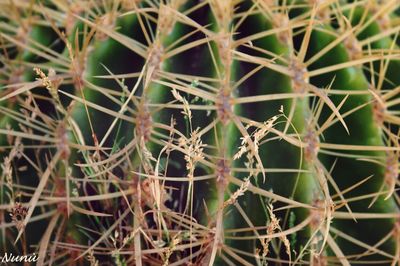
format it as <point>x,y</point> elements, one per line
<point>35,198</point>
<point>46,239</point>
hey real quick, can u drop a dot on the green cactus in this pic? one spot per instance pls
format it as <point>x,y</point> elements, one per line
<point>188,132</point>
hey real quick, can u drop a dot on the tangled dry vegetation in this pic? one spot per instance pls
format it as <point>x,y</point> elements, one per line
<point>186,132</point>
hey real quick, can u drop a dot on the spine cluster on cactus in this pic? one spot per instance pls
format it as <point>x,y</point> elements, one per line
<point>200,132</point>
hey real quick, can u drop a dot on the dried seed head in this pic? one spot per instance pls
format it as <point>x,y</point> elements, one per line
<point>8,171</point>
<point>50,82</point>
<point>224,106</point>
<point>92,259</point>
<point>238,193</point>
<point>299,75</point>
<point>186,106</point>
<point>18,214</point>
<point>272,227</point>
<point>193,148</point>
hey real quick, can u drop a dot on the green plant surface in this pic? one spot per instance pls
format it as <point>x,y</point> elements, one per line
<point>188,132</point>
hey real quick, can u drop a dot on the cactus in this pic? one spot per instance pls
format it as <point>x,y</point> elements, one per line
<point>190,132</point>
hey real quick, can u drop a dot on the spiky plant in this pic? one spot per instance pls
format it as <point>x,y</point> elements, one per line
<point>187,132</point>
